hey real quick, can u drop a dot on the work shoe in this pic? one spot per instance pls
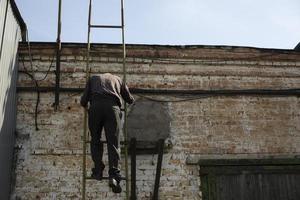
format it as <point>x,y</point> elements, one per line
<point>97,173</point>
<point>115,185</point>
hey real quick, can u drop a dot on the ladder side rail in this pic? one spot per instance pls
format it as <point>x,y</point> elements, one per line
<point>125,105</point>
<point>87,74</point>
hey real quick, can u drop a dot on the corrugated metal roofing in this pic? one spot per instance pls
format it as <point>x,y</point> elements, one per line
<point>10,35</point>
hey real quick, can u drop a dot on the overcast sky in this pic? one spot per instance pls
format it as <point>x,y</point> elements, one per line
<point>258,23</point>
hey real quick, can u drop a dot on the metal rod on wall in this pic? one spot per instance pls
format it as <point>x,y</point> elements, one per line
<point>58,53</point>
<point>210,93</point>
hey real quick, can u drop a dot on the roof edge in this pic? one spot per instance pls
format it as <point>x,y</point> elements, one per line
<point>83,44</point>
<point>20,20</point>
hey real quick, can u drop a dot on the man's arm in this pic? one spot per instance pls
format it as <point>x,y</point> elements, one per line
<point>126,94</point>
<point>86,95</point>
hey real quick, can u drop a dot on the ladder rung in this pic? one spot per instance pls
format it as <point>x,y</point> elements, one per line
<point>105,26</point>
<point>110,53</point>
<point>103,178</point>
<point>100,142</point>
<point>104,142</point>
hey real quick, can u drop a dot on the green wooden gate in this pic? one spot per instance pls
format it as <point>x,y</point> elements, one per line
<point>250,179</point>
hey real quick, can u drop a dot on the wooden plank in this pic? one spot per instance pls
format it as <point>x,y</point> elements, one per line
<point>204,187</point>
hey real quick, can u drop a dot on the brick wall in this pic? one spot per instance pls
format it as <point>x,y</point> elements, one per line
<point>49,162</point>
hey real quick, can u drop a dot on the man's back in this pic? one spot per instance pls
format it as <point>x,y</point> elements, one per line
<point>106,84</point>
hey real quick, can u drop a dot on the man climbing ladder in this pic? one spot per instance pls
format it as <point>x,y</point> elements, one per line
<point>111,89</point>
<point>104,93</point>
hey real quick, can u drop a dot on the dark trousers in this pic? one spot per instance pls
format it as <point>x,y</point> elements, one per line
<point>105,113</point>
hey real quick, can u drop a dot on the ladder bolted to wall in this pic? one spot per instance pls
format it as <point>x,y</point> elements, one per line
<point>88,69</point>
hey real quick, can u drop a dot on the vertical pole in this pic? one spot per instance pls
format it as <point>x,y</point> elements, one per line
<point>133,168</point>
<point>123,41</point>
<point>3,30</point>
<point>125,106</point>
<point>88,41</point>
<point>87,74</point>
<point>158,168</point>
<point>58,53</point>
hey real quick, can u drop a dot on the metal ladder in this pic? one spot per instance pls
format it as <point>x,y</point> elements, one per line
<point>88,69</point>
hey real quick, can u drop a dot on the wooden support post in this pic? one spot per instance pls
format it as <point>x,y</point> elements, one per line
<point>133,168</point>
<point>161,143</point>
